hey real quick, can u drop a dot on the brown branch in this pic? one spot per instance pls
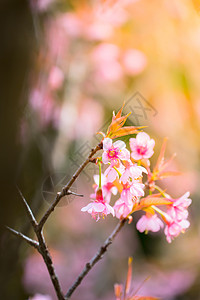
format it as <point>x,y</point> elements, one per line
<point>31,242</point>
<point>41,244</point>
<point>49,264</point>
<point>95,259</point>
<point>29,211</point>
<point>41,247</point>
<point>72,193</point>
<point>67,187</point>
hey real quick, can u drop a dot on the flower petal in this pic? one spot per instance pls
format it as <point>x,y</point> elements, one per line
<point>107,144</point>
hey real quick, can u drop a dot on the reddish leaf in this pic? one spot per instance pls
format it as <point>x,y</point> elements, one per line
<point>150,200</point>
<point>161,156</point>
<point>124,131</point>
<point>115,129</point>
<point>118,291</point>
<point>167,174</point>
<point>129,276</point>
<point>116,124</point>
<point>118,115</point>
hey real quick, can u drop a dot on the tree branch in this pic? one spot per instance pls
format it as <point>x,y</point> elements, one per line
<point>67,187</point>
<point>72,193</point>
<point>41,247</point>
<point>49,264</point>
<point>29,211</point>
<point>31,242</point>
<point>95,259</point>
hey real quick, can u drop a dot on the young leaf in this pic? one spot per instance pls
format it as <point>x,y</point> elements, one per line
<point>151,200</point>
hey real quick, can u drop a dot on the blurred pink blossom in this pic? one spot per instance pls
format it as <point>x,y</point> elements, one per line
<point>104,53</point>
<point>56,78</point>
<point>40,297</point>
<point>105,59</point>
<point>71,24</point>
<point>43,103</point>
<point>98,31</point>
<point>85,127</point>
<point>134,61</point>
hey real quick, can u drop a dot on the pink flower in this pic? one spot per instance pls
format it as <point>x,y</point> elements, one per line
<point>179,207</point>
<point>99,207</point>
<point>149,222</point>
<point>175,219</point>
<point>122,209</point>
<point>112,173</point>
<point>132,189</point>
<point>142,146</point>
<point>132,171</point>
<point>174,228</point>
<point>105,59</point>
<point>107,187</point>
<point>113,152</point>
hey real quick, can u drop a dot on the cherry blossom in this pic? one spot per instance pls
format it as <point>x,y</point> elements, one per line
<point>113,173</point>
<point>174,228</point>
<point>107,187</point>
<point>132,189</point>
<point>124,176</point>
<point>179,206</point>
<point>142,146</point>
<point>132,171</point>
<point>113,152</point>
<point>149,222</point>
<point>122,209</point>
<point>98,207</point>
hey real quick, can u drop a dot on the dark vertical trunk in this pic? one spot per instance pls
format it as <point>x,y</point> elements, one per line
<point>16,53</point>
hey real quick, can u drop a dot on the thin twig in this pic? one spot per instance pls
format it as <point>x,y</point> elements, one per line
<point>72,193</point>
<point>29,211</point>
<point>95,259</point>
<point>31,242</point>
<point>67,187</point>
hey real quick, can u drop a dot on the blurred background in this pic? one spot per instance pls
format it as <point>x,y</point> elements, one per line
<point>65,66</point>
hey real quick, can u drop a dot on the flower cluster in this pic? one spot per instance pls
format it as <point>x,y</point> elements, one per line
<point>124,176</point>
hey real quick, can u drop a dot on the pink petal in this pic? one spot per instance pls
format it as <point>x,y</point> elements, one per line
<point>132,142</point>
<point>110,209</point>
<point>142,139</point>
<point>135,155</point>
<point>119,145</point>
<point>107,144</point>
<point>105,158</point>
<point>124,154</point>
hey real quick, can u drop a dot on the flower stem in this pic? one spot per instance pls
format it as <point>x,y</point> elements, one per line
<point>160,190</point>
<point>99,163</point>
